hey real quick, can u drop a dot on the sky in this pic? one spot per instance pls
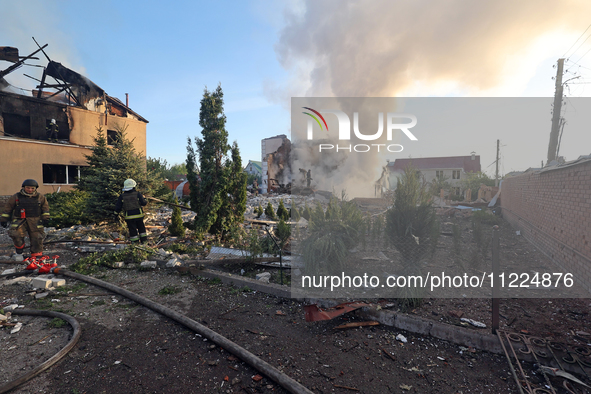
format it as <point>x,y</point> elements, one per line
<point>263,53</point>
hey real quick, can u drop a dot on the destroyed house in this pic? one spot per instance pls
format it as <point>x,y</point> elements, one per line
<point>275,164</point>
<point>451,168</point>
<point>79,108</point>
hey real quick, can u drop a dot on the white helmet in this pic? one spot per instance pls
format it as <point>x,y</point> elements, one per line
<point>128,185</point>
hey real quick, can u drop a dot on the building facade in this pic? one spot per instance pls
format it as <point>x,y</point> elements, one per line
<point>452,168</point>
<point>54,161</point>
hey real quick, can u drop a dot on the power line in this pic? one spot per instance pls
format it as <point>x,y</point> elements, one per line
<point>584,55</point>
<point>580,45</point>
<point>577,41</point>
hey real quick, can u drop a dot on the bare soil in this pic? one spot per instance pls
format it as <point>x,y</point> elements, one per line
<point>126,348</point>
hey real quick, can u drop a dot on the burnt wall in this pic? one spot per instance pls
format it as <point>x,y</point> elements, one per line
<point>552,209</point>
<point>28,117</point>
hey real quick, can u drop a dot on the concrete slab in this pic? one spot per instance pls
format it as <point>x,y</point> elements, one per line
<point>58,282</point>
<point>41,283</point>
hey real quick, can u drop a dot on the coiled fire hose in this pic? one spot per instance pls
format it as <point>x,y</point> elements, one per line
<point>56,357</point>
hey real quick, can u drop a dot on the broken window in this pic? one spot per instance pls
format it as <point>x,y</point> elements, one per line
<point>17,125</point>
<point>60,174</point>
<point>113,137</point>
<point>455,174</point>
<point>62,129</point>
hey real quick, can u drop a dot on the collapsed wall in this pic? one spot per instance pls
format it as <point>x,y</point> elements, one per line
<point>552,208</point>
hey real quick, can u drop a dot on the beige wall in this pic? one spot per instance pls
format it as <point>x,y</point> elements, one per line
<point>23,159</point>
<point>84,123</point>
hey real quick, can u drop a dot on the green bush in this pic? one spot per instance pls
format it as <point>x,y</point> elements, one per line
<point>67,208</point>
<point>306,212</point>
<point>331,236</point>
<point>282,213</point>
<point>485,218</point>
<point>176,227</point>
<point>294,213</point>
<point>410,222</point>
<point>184,249</point>
<point>283,232</point>
<point>270,212</point>
<point>89,264</point>
<point>259,211</point>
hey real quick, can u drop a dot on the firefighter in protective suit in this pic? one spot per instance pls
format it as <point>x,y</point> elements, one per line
<point>131,202</point>
<point>27,212</point>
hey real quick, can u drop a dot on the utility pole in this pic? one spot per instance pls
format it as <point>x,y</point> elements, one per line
<point>553,144</point>
<point>497,171</point>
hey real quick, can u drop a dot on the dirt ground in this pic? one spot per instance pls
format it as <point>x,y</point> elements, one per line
<point>125,348</point>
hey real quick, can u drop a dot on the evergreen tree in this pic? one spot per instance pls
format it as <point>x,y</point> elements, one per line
<point>176,227</point>
<point>231,213</point>
<point>218,188</point>
<point>258,211</point>
<point>294,213</point>
<point>108,167</point>
<point>306,212</point>
<point>283,232</point>
<point>282,213</point>
<point>269,211</point>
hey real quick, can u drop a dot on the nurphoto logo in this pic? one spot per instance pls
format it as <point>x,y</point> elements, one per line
<point>344,130</point>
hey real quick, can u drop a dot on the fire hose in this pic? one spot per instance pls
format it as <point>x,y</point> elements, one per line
<point>267,369</point>
<point>56,357</point>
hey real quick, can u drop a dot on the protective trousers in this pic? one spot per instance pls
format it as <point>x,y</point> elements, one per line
<point>31,226</point>
<point>136,226</point>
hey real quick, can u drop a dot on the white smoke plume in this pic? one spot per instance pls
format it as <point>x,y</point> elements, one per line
<point>22,20</point>
<point>384,48</point>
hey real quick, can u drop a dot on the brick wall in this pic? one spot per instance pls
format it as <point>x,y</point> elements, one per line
<point>552,209</point>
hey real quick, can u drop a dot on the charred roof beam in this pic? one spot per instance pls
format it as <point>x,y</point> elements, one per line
<point>20,62</point>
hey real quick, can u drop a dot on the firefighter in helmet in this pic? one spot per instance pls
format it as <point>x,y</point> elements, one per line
<point>52,130</point>
<point>131,202</point>
<point>27,212</point>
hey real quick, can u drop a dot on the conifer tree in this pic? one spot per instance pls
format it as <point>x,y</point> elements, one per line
<point>269,211</point>
<point>218,186</point>
<point>282,212</point>
<point>258,211</point>
<point>176,227</point>
<point>108,167</point>
<point>233,206</point>
<point>283,232</point>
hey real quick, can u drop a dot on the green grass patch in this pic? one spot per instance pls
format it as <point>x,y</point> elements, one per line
<point>239,290</point>
<point>167,290</point>
<point>56,323</point>
<point>43,303</point>
<point>71,288</point>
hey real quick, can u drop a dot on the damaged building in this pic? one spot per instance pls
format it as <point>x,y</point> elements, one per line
<point>276,164</point>
<point>452,168</point>
<point>76,105</point>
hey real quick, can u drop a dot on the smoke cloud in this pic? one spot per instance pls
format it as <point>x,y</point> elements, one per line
<point>392,48</point>
<point>382,48</point>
